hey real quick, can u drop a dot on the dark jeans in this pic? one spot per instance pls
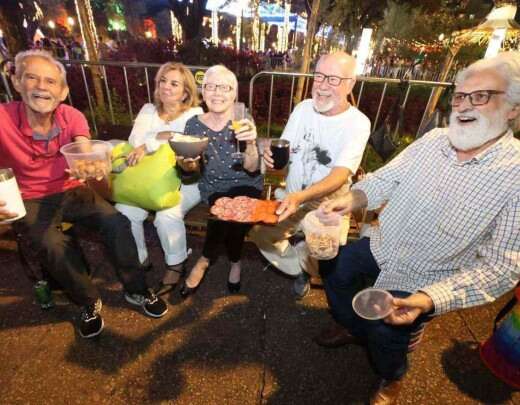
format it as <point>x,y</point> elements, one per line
<point>343,277</point>
<point>41,228</point>
<point>232,234</point>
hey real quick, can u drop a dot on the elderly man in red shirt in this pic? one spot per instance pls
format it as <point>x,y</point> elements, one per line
<point>31,134</point>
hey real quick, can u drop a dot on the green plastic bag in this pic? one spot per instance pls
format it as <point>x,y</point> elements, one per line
<point>152,184</point>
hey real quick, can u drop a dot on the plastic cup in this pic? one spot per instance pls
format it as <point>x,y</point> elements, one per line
<point>372,303</point>
<point>10,194</point>
<point>88,159</point>
<point>322,239</point>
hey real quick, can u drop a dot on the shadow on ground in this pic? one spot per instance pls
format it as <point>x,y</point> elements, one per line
<point>251,348</point>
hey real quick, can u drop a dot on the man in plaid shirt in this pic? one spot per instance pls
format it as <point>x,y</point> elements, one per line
<point>449,233</point>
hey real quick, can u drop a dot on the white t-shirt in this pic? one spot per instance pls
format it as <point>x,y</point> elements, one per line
<point>148,124</point>
<point>320,142</point>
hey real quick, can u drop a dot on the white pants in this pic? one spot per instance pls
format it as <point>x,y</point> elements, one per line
<point>169,224</point>
<point>273,240</point>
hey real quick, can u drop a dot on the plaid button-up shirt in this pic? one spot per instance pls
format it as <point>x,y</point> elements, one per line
<point>449,228</point>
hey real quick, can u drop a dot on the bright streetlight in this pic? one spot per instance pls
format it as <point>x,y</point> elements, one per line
<point>52,26</point>
<point>117,27</point>
<point>441,37</point>
<point>70,21</point>
<point>148,34</point>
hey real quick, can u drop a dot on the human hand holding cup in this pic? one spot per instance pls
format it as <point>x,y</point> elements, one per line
<point>11,203</point>
<point>188,164</point>
<point>280,153</point>
<point>268,157</point>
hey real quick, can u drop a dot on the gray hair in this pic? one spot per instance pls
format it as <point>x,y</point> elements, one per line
<point>507,65</point>
<point>221,70</point>
<point>19,62</point>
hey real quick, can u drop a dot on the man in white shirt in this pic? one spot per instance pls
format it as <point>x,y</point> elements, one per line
<point>448,237</point>
<point>327,138</point>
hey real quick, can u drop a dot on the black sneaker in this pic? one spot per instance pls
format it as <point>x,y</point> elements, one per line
<point>91,324</point>
<point>152,305</point>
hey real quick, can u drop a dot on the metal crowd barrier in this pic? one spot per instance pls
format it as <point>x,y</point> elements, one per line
<point>124,66</point>
<point>273,76</point>
<point>361,81</point>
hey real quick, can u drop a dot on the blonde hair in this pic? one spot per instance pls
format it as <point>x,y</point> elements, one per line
<point>190,87</point>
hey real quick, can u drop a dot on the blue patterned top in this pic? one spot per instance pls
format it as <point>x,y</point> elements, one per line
<point>220,172</point>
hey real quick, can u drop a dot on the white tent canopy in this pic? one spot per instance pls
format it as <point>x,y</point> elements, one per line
<point>500,17</point>
<point>273,14</point>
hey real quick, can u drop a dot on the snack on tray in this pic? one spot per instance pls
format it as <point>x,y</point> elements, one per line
<point>245,209</point>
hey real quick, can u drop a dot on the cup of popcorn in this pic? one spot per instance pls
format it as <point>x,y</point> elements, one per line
<point>322,238</point>
<point>88,159</point>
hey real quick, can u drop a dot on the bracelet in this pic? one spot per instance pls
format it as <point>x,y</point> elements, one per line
<point>251,145</point>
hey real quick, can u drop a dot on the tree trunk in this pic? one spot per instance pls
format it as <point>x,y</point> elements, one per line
<point>307,49</point>
<point>190,17</point>
<point>256,25</point>
<point>90,42</point>
<point>448,62</point>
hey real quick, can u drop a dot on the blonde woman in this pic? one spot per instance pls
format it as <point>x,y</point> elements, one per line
<point>175,102</point>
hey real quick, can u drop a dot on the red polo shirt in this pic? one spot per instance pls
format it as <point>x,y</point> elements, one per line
<point>38,165</point>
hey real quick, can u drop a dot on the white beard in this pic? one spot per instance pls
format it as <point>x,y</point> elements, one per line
<point>323,108</point>
<point>472,135</point>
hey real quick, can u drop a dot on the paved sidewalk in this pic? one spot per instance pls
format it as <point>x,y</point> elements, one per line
<point>253,348</point>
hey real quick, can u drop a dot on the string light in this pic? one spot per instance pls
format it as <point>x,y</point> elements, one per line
<point>176,27</point>
<point>38,15</point>
<point>91,26</point>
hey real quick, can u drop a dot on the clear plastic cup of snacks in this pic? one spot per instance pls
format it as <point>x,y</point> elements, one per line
<point>88,159</point>
<point>322,235</point>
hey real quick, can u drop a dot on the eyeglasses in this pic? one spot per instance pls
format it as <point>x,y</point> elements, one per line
<point>226,88</point>
<point>476,98</point>
<point>332,80</point>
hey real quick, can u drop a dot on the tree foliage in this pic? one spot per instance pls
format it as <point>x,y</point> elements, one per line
<point>424,23</point>
<point>189,13</point>
<point>403,19</point>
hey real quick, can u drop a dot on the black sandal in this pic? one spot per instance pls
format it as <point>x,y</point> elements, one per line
<point>166,288</point>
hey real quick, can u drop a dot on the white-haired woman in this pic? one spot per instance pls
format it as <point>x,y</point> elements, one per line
<point>175,101</point>
<point>223,176</point>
